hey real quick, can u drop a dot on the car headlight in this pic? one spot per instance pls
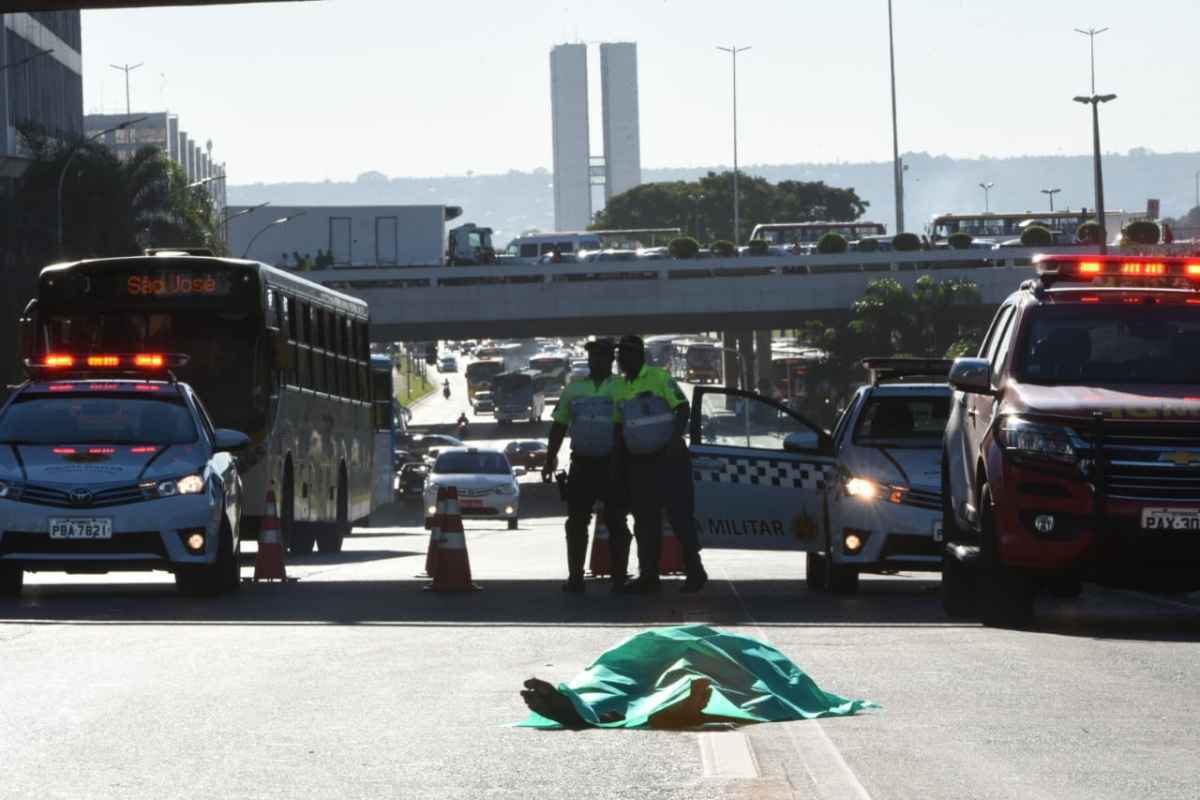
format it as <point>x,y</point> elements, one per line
<point>1022,437</point>
<point>869,490</point>
<point>189,484</point>
<point>507,489</point>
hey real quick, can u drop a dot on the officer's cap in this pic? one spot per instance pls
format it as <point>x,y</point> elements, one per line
<point>600,344</point>
<point>632,343</point>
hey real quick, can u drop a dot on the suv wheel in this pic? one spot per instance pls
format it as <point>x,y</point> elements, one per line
<point>1006,594</point>
<point>842,579</point>
<point>11,580</point>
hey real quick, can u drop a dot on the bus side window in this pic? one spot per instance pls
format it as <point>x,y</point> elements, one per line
<point>304,363</point>
<point>347,360</point>
<point>360,344</point>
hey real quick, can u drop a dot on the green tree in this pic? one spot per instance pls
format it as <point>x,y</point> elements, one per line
<point>704,207</point>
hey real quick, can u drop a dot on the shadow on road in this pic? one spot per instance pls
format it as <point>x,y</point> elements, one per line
<point>538,501</point>
<point>881,603</point>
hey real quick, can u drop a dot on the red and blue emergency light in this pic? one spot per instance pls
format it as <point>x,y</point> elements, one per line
<point>1090,268</point>
<point>106,362</point>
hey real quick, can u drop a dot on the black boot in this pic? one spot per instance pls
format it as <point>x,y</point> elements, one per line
<point>576,556</point>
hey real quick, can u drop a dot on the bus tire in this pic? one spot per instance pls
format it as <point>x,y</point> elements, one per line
<point>816,576</point>
<point>332,535</point>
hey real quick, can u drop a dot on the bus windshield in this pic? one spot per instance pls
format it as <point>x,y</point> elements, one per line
<point>219,360</point>
<point>483,371</point>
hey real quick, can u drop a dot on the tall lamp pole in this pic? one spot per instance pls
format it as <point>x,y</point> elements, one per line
<point>733,52</point>
<point>897,169</point>
<point>987,187</point>
<point>126,69</point>
<point>1050,193</point>
<point>62,176</point>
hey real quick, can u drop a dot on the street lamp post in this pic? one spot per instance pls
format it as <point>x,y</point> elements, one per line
<point>1050,193</point>
<point>62,176</point>
<point>1094,101</point>
<point>897,169</point>
<point>987,187</point>
<point>126,69</point>
<point>733,52</point>
<point>26,59</point>
<point>271,224</point>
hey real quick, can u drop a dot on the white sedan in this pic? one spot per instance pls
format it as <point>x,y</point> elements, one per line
<point>486,483</point>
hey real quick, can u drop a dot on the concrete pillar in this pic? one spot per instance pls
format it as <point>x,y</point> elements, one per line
<point>762,356</point>
<point>729,359</point>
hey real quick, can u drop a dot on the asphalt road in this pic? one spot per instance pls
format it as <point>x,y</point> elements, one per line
<point>354,683</point>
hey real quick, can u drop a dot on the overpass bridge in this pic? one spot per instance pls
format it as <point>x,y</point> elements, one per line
<point>648,296</point>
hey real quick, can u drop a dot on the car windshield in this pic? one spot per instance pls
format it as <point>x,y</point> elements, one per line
<point>96,419</point>
<point>1108,343</point>
<point>467,463</point>
<point>903,421</point>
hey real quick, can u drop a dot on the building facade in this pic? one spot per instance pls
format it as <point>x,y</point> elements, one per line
<point>569,115</point>
<point>41,81</point>
<point>622,141</point>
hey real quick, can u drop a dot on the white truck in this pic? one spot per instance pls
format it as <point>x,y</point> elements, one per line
<point>345,237</point>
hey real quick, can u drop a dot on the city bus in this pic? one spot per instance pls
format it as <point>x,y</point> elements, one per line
<point>281,358</point>
<point>385,421</point>
<point>805,235</point>
<point>554,369</point>
<point>518,395</point>
<point>697,361</point>
<point>998,227</point>
<point>480,375</point>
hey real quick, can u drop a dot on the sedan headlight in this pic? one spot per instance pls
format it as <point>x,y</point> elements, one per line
<point>1036,440</point>
<point>507,489</point>
<point>189,484</point>
<point>869,490</point>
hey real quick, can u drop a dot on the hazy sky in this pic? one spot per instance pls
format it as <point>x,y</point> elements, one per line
<point>316,90</point>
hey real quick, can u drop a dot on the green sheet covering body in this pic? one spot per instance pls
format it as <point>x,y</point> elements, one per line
<point>751,681</point>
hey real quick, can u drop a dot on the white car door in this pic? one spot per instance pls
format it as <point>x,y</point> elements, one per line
<point>760,472</point>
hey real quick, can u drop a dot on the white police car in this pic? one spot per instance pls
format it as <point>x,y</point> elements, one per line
<point>866,498</point>
<point>486,483</point>
<point>108,464</point>
<point>885,509</point>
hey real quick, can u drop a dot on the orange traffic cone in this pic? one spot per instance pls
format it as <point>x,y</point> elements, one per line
<point>269,564</point>
<point>435,531</point>
<point>670,560</point>
<point>600,560</point>
<point>452,566</point>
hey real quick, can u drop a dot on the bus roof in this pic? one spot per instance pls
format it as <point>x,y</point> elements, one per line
<point>276,277</point>
<point>1082,212</point>
<point>802,225</point>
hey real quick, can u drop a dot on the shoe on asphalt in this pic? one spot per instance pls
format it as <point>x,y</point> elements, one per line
<point>642,586</point>
<point>573,585</point>
<point>694,583</point>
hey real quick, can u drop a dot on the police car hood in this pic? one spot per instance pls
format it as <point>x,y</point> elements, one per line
<point>897,466</point>
<point>1177,402</point>
<point>98,463</point>
<point>468,483</point>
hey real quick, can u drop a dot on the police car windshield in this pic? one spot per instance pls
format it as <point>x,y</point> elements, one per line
<point>903,421</point>
<point>1109,343</point>
<point>460,463</point>
<point>96,419</point>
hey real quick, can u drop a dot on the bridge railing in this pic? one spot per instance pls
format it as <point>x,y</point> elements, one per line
<point>679,269</point>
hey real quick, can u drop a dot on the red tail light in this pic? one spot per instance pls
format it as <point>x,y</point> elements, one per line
<point>62,387</point>
<point>142,450</point>
<point>64,451</point>
<point>146,387</point>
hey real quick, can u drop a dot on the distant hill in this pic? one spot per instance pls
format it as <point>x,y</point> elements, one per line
<point>516,201</point>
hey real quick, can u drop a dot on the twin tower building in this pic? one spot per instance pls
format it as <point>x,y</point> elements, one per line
<point>576,170</point>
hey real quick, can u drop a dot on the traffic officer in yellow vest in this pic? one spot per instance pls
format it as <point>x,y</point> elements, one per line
<point>586,409</point>
<point>652,418</point>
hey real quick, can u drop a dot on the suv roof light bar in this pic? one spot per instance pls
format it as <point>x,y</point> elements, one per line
<point>895,369</point>
<point>1052,269</point>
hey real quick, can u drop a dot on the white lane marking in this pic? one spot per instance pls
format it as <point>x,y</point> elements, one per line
<point>822,760</point>
<point>727,754</point>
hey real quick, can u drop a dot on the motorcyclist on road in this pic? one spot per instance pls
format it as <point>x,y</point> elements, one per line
<point>446,389</point>
<point>462,423</point>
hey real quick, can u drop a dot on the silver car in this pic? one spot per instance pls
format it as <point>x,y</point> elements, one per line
<point>101,475</point>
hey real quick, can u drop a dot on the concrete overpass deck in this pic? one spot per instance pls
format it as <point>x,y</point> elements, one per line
<point>651,296</point>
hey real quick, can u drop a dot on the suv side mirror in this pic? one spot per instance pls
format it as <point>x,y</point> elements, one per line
<point>972,375</point>
<point>229,441</point>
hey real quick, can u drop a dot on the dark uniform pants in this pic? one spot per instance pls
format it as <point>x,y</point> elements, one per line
<point>591,480</point>
<point>657,485</point>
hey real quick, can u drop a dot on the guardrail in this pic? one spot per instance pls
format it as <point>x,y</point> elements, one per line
<point>363,278</point>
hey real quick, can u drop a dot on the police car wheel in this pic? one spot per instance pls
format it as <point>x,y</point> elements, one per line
<point>816,576</point>
<point>331,536</point>
<point>303,538</point>
<point>11,580</point>
<point>1005,594</point>
<point>512,524</point>
<point>210,580</point>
